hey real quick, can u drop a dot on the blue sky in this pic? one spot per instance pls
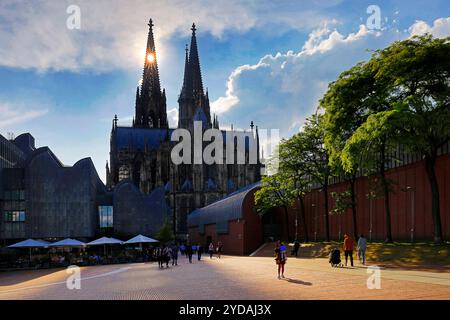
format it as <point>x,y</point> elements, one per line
<point>266,61</point>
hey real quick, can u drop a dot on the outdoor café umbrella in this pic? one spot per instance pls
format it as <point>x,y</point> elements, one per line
<point>140,239</point>
<point>104,241</point>
<point>30,243</point>
<point>67,243</point>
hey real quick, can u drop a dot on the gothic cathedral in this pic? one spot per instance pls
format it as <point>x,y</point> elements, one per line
<point>142,152</point>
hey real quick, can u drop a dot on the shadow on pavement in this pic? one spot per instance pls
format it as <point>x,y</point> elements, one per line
<point>298,282</point>
<point>10,278</point>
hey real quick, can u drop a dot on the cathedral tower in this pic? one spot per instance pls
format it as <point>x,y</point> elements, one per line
<point>193,102</point>
<point>150,101</point>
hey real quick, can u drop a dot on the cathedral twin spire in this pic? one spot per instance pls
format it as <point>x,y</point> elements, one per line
<point>192,99</point>
<point>151,101</point>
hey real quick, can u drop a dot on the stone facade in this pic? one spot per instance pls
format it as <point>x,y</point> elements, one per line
<point>142,152</point>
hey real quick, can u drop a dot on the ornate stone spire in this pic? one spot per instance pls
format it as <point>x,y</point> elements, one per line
<point>150,103</point>
<point>194,63</point>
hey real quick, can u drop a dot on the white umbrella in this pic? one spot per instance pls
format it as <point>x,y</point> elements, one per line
<point>29,243</point>
<point>140,239</point>
<point>67,243</point>
<point>104,241</point>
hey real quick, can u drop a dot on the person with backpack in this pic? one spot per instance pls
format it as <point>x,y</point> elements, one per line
<point>362,246</point>
<point>280,258</point>
<point>348,249</point>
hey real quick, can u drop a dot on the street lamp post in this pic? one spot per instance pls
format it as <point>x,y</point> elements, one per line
<point>315,222</point>
<point>413,209</point>
<point>370,219</point>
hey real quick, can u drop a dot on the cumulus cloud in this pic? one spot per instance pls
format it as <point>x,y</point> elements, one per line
<point>172,117</point>
<point>440,28</point>
<point>282,89</point>
<point>34,35</point>
<point>13,115</point>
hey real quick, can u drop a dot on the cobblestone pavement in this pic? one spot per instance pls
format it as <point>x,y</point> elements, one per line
<point>231,278</point>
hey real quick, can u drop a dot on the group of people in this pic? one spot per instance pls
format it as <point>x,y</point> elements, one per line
<point>165,254</point>
<point>190,250</point>
<point>281,255</point>
<point>349,247</point>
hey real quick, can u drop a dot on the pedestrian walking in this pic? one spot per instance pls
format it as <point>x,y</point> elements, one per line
<point>199,252</point>
<point>167,252</point>
<point>280,258</point>
<point>189,252</point>
<point>219,249</point>
<point>211,250</point>
<point>348,249</point>
<point>159,256</point>
<point>362,246</point>
<point>175,255</point>
<point>296,247</point>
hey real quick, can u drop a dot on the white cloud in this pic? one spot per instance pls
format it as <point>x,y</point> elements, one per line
<point>34,35</point>
<point>13,115</point>
<point>281,90</point>
<point>172,117</point>
<point>440,28</point>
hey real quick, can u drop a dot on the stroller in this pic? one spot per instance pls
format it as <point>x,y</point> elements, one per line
<point>335,257</point>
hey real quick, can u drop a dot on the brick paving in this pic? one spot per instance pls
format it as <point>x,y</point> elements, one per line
<point>233,278</point>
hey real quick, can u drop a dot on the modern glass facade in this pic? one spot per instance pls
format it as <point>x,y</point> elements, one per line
<point>14,205</point>
<point>105,216</point>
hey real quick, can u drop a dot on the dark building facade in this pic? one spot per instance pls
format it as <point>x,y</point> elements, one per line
<point>142,152</point>
<point>42,198</point>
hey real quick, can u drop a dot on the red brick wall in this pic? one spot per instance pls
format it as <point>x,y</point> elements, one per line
<point>253,232</point>
<point>233,242</point>
<point>413,175</point>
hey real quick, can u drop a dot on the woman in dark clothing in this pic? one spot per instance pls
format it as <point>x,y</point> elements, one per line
<point>280,258</point>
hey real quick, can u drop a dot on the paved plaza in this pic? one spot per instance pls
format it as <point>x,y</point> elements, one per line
<point>227,278</point>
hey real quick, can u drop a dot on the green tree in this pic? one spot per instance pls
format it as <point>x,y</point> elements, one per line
<point>343,201</point>
<point>371,142</point>
<point>275,191</point>
<point>415,77</point>
<point>315,158</point>
<point>344,112</point>
<point>165,234</point>
<point>292,166</point>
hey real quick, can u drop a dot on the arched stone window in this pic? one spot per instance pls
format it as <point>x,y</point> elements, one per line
<point>124,172</point>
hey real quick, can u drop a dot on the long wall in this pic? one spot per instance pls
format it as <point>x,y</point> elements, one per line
<point>402,204</point>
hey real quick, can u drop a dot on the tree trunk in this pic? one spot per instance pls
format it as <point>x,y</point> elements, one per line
<point>305,227</point>
<point>352,192</point>
<point>430,164</point>
<point>327,222</point>
<point>286,214</point>
<point>385,186</point>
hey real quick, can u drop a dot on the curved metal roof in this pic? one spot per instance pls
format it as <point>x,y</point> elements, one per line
<point>226,209</point>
